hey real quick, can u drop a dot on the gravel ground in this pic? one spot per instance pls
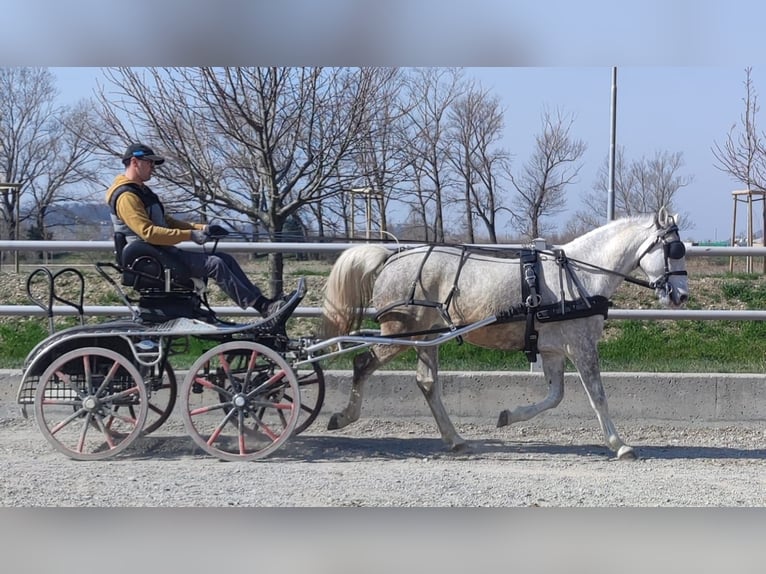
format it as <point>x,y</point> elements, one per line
<point>398,463</point>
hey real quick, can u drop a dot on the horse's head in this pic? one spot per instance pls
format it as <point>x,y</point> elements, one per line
<point>663,259</point>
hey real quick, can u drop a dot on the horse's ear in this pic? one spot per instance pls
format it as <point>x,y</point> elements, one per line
<point>662,218</point>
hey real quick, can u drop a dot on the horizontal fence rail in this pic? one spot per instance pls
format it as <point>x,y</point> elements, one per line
<point>286,247</point>
<point>330,247</point>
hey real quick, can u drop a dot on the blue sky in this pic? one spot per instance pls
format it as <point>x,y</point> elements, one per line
<point>673,109</point>
<point>680,62</point>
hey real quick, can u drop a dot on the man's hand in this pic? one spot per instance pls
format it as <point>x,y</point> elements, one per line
<point>199,236</point>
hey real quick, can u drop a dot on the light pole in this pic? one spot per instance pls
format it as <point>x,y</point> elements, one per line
<point>612,149</point>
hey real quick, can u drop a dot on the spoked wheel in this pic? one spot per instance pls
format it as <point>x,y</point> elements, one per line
<point>162,390</point>
<point>311,384</point>
<point>91,403</point>
<point>241,401</point>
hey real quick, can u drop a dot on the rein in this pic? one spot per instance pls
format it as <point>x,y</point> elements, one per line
<point>671,249</point>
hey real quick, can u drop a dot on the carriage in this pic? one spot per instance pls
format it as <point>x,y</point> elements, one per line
<point>97,388</point>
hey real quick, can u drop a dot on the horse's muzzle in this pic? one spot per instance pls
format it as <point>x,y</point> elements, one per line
<point>671,296</point>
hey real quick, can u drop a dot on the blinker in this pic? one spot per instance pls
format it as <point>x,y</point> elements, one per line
<point>675,249</point>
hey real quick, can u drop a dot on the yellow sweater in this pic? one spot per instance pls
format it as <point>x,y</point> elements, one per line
<point>131,210</point>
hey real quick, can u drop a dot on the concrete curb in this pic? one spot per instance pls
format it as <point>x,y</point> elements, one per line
<point>480,396</point>
<point>639,396</point>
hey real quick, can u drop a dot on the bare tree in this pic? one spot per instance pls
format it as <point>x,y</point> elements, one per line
<point>263,143</point>
<point>432,91</point>
<point>379,159</point>
<point>40,148</point>
<point>543,180</point>
<point>476,124</point>
<point>641,186</point>
<point>742,154</point>
<point>594,202</point>
<point>70,167</point>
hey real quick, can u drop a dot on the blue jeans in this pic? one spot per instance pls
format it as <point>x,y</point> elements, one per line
<point>225,271</point>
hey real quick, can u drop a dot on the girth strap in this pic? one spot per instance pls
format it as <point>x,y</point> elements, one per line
<point>561,311</point>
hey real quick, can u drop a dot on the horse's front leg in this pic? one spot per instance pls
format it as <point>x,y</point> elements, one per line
<point>427,378</point>
<point>586,362</point>
<point>553,371</point>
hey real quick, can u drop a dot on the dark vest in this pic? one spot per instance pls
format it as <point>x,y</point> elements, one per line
<point>154,209</point>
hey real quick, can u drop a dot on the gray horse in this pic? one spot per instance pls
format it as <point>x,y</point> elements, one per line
<point>436,287</point>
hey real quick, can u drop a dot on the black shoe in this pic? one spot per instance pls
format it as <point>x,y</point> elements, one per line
<point>272,308</point>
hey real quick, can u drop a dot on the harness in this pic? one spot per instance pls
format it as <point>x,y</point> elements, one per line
<point>564,310</point>
<point>531,309</point>
<point>671,250</point>
<point>441,307</point>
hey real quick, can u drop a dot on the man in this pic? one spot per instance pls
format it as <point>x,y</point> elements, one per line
<point>139,214</point>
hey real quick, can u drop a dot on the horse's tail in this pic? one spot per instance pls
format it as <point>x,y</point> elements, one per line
<point>349,287</point>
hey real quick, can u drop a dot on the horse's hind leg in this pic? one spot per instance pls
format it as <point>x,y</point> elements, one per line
<point>590,375</point>
<point>427,378</point>
<point>553,371</point>
<point>364,365</point>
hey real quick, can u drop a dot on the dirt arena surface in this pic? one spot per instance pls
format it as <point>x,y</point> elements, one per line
<point>402,463</point>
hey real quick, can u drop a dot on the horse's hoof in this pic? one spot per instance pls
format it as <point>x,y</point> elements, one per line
<point>626,453</point>
<point>461,447</point>
<point>334,422</point>
<point>504,419</point>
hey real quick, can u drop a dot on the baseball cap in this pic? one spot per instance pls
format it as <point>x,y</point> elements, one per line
<point>142,151</point>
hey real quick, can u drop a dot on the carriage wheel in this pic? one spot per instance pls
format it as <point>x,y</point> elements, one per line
<point>311,384</point>
<point>162,390</point>
<point>241,401</point>
<point>312,388</point>
<point>91,403</point>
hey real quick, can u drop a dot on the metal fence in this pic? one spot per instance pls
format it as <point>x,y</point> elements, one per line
<point>251,247</point>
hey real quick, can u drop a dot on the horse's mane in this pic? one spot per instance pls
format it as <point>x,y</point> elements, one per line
<point>608,230</point>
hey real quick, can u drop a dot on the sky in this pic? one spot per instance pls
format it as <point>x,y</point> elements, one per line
<point>679,83</point>
<point>659,109</point>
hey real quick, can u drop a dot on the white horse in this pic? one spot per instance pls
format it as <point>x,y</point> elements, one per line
<point>433,287</point>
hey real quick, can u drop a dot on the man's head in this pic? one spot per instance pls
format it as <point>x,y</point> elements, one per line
<point>139,161</point>
<point>143,152</point>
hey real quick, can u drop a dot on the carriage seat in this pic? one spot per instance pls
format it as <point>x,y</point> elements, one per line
<point>147,268</point>
<point>166,287</point>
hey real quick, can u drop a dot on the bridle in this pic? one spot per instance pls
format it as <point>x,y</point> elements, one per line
<point>673,249</point>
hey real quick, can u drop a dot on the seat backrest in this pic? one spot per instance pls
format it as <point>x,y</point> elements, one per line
<point>120,241</point>
<point>144,265</point>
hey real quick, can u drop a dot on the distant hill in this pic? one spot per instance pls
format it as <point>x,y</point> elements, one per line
<point>80,221</point>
